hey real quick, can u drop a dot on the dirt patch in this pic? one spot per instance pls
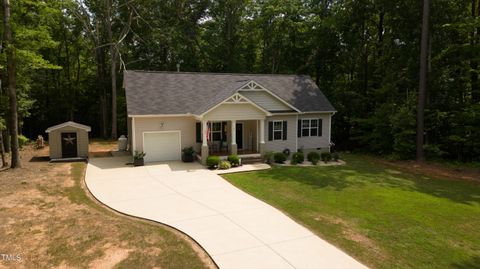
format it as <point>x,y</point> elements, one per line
<point>101,148</point>
<point>350,232</point>
<point>112,256</point>
<point>49,219</point>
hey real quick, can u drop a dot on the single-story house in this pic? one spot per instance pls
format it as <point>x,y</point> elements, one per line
<point>68,140</point>
<point>220,114</point>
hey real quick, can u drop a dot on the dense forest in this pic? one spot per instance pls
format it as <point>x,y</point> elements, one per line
<point>363,54</point>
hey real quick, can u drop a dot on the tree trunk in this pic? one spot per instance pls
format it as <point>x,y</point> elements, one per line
<point>113,70</point>
<point>475,87</point>
<point>422,89</point>
<point>101,91</point>
<point>12,92</point>
<point>2,151</point>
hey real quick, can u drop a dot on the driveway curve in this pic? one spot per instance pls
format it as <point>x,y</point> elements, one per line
<point>236,229</point>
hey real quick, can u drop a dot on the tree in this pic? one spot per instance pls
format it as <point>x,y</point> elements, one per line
<point>2,149</point>
<point>422,89</point>
<point>12,91</point>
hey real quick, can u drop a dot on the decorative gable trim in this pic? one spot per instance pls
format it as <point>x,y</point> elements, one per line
<point>237,98</point>
<point>254,86</point>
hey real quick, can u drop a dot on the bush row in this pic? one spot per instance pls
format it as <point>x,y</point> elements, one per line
<point>215,162</point>
<point>298,157</point>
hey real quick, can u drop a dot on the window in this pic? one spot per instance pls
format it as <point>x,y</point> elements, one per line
<point>310,127</point>
<point>305,127</point>
<point>216,131</point>
<point>277,130</point>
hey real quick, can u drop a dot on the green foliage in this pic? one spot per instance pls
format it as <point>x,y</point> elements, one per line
<point>298,157</point>
<point>188,151</point>
<point>139,155</point>
<point>362,55</point>
<point>335,156</point>
<point>213,161</point>
<point>326,156</point>
<point>268,156</point>
<point>22,141</point>
<point>313,155</point>
<point>224,165</point>
<point>279,157</point>
<point>234,160</point>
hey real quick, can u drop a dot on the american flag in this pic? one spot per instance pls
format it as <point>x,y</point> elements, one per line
<point>208,132</point>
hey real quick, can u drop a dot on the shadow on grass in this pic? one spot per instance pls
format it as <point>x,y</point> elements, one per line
<point>359,173</point>
<point>473,262</point>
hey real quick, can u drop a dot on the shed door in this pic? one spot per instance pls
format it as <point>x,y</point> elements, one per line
<point>69,145</point>
<point>162,146</point>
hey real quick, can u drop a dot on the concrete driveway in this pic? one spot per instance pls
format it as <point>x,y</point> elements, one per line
<point>236,229</point>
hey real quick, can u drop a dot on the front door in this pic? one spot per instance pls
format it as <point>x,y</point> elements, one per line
<point>239,135</point>
<point>69,145</point>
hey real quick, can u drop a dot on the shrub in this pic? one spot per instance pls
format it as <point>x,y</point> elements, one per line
<point>326,156</point>
<point>335,156</point>
<point>139,155</point>
<point>314,161</point>
<point>188,154</point>
<point>298,157</point>
<point>268,156</point>
<point>224,165</point>
<point>22,141</point>
<point>279,157</point>
<point>213,161</point>
<point>234,160</point>
<point>312,156</point>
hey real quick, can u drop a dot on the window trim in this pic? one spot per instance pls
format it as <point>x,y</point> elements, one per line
<point>309,128</point>
<point>218,131</point>
<point>281,130</point>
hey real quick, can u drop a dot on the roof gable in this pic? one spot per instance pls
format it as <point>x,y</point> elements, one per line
<point>69,124</point>
<point>269,100</point>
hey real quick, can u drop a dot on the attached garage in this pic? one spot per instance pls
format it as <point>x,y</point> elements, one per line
<point>68,140</point>
<point>160,146</point>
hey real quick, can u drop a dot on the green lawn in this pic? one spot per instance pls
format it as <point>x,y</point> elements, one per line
<point>383,217</point>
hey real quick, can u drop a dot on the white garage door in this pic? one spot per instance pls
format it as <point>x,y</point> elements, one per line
<point>161,146</point>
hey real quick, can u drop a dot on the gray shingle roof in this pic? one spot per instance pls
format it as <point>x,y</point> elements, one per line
<point>150,93</point>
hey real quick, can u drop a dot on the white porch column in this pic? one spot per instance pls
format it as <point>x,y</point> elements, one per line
<point>262,137</point>
<point>204,142</point>
<point>233,135</point>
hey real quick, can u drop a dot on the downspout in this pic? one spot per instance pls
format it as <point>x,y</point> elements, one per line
<point>296,135</point>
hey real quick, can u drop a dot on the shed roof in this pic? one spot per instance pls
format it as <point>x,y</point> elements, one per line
<point>154,93</point>
<point>70,124</point>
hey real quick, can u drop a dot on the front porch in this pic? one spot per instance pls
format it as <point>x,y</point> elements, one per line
<point>244,138</point>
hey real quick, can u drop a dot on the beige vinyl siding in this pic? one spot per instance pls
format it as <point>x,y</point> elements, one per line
<point>55,141</point>
<point>315,142</point>
<point>234,112</point>
<point>265,100</point>
<point>280,145</point>
<point>186,125</point>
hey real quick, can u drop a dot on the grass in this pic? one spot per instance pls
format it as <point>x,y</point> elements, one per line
<point>385,218</point>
